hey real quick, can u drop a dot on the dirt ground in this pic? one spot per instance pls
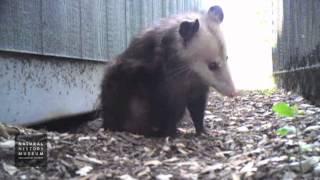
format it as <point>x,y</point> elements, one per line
<point>242,143</point>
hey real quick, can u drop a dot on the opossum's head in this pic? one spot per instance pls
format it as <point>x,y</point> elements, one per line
<point>202,46</point>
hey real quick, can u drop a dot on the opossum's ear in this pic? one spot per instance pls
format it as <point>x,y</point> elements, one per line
<point>188,29</point>
<point>216,14</point>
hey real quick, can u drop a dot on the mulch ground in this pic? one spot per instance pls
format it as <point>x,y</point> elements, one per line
<point>242,143</point>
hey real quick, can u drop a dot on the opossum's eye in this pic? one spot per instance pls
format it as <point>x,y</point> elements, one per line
<point>213,66</point>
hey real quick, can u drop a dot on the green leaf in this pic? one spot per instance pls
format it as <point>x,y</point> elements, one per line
<point>285,110</point>
<point>286,130</point>
<point>282,132</point>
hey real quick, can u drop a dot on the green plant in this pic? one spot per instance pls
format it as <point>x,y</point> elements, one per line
<point>286,130</point>
<point>283,109</point>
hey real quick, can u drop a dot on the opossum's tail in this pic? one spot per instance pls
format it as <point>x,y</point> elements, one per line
<point>68,123</point>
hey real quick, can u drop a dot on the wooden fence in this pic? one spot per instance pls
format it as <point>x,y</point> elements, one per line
<point>296,53</point>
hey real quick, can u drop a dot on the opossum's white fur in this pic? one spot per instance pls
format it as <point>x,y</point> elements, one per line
<point>207,46</point>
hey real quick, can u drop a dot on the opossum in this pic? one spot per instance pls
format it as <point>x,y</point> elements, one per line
<point>166,70</point>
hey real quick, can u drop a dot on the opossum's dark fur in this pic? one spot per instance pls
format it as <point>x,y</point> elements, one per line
<point>148,88</point>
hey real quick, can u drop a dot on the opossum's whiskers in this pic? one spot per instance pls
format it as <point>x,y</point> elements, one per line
<point>182,70</point>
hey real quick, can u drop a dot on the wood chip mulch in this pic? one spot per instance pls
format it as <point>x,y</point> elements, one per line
<point>242,143</point>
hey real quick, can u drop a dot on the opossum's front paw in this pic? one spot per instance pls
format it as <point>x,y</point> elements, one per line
<point>171,132</point>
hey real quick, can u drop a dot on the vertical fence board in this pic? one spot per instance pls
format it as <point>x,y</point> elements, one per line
<point>173,7</point>
<point>146,13</point>
<point>20,25</point>
<point>165,8</point>
<point>93,29</point>
<point>132,19</point>
<point>180,5</point>
<point>116,22</point>
<point>156,9</point>
<point>6,28</point>
<point>61,31</point>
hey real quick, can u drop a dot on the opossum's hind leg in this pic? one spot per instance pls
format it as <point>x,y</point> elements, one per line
<point>138,115</point>
<point>114,99</point>
<point>196,108</point>
<point>113,119</point>
<point>166,112</point>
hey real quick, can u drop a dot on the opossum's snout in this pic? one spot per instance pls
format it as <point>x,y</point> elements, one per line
<point>221,79</point>
<point>216,75</point>
<point>225,88</point>
<point>233,94</point>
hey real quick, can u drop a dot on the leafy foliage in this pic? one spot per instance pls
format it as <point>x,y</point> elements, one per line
<point>286,130</point>
<point>285,110</point>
